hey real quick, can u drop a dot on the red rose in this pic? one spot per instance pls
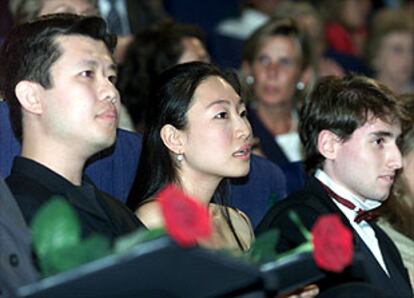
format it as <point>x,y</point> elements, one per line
<point>332,242</point>
<point>185,219</point>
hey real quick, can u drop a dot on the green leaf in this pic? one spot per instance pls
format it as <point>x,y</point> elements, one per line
<point>72,256</point>
<point>55,225</point>
<point>263,249</point>
<point>131,240</point>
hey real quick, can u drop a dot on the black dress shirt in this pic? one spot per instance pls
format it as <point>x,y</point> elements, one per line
<point>33,184</point>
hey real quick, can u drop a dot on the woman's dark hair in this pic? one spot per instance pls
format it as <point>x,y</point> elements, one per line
<point>171,97</point>
<point>152,51</point>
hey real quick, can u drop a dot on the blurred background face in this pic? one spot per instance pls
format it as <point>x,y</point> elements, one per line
<point>395,57</point>
<point>355,12</point>
<point>193,51</point>
<point>80,7</point>
<point>276,71</point>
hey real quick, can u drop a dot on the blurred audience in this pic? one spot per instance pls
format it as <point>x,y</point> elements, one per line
<point>390,50</point>
<point>309,19</point>
<point>128,17</point>
<point>151,52</point>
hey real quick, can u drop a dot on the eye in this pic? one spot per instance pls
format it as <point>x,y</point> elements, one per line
<point>87,74</point>
<point>263,60</point>
<point>286,62</point>
<point>379,141</point>
<point>113,79</point>
<point>221,115</point>
<point>243,114</point>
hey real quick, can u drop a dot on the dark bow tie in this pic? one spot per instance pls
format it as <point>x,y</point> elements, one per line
<point>366,215</point>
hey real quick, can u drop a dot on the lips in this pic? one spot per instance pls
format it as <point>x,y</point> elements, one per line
<point>388,178</point>
<point>243,153</point>
<point>109,114</point>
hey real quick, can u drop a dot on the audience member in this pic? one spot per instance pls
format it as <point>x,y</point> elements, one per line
<point>397,213</point>
<point>197,134</point>
<point>346,31</point>
<point>112,170</point>
<point>162,47</point>
<point>64,107</point>
<point>390,50</point>
<point>126,18</point>
<point>275,60</point>
<point>26,10</point>
<point>349,127</point>
<point>15,246</point>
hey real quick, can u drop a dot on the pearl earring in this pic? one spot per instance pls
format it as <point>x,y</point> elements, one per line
<point>300,86</point>
<point>179,157</point>
<point>249,80</point>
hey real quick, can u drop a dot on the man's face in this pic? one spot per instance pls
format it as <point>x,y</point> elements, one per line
<point>81,108</point>
<point>79,7</point>
<point>366,163</point>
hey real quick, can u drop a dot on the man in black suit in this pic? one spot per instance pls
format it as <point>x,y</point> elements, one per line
<point>349,128</point>
<point>58,78</point>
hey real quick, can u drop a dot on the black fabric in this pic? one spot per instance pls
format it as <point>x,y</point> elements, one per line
<point>311,202</point>
<point>33,184</point>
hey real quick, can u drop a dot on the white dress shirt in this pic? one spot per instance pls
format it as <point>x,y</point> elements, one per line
<point>364,230</point>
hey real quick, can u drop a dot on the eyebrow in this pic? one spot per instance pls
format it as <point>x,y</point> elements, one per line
<point>383,133</point>
<point>226,102</point>
<point>94,63</point>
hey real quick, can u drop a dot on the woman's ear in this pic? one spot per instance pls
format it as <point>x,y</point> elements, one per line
<point>28,94</point>
<point>172,138</point>
<point>246,68</point>
<point>328,144</point>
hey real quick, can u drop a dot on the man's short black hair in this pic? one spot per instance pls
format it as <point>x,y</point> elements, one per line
<point>30,50</point>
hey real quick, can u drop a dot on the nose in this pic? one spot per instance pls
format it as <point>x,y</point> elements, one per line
<point>244,130</point>
<point>395,158</point>
<point>272,68</point>
<point>108,91</point>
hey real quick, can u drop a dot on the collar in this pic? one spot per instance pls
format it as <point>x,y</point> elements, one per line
<point>343,192</point>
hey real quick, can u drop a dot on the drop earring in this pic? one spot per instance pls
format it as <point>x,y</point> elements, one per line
<point>179,157</point>
<point>249,80</point>
<point>300,86</point>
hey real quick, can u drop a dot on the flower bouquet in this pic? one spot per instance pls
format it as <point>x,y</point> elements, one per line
<point>59,247</point>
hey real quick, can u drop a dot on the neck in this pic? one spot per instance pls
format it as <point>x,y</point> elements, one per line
<point>277,119</point>
<point>63,160</point>
<point>200,188</point>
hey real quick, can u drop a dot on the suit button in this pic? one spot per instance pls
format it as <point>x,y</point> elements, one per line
<point>14,260</point>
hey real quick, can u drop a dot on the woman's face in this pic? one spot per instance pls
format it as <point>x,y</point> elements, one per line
<point>408,174</point>
<point>276,71</point>
<point>395,58</point>
<point>216,142</point>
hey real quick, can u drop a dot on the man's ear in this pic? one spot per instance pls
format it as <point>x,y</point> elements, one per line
<point>28,94</point>
<point>172,138</point>
<point>328,144</point>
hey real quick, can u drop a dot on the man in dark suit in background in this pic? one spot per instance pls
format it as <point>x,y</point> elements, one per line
<point>349,127</point>
<point>64,106</point>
